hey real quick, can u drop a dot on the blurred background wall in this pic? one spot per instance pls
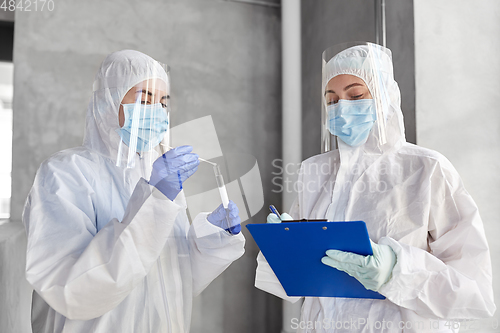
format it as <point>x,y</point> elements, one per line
<point>457,93</point>
<point>225,59</point>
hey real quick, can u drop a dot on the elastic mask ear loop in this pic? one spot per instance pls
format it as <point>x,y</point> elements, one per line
<point>379,93</point>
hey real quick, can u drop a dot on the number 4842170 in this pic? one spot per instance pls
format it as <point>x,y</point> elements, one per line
<point>27,5</point>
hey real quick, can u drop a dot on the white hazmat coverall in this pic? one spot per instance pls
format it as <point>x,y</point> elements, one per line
<point>412,199</point>
<point>107,252</point>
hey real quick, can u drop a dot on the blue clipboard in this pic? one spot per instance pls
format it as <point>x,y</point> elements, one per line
<point>294,251</point>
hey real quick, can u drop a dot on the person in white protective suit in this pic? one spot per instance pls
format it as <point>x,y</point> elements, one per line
<point>110,247</point>
<point>431,259</point>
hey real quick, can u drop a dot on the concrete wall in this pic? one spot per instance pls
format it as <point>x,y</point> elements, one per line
<point>15,292</point>
<point>330,22</point>
<point>7,15</point>
<point>225,62</point>
<point>457,71</point>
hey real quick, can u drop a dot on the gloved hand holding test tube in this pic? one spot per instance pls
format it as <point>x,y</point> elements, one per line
<point>231,218</point>
<point>222,192</point>
<point>231,221</point>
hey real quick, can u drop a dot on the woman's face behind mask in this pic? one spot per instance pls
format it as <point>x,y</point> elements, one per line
<point>147,92</point>
<point>143,115</point>
<point>351,109</point>
<point>346,87</point>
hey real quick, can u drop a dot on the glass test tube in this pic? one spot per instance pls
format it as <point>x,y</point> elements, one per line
<point>222,191</point>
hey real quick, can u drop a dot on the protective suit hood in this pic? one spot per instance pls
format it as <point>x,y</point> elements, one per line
<point>119,72</point>
<point>373,64</point>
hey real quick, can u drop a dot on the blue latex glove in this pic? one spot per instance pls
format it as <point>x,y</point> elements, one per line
<point>372,271</point>
<point>218,218</point>
<point>173,168</point>
<point>273,218</point>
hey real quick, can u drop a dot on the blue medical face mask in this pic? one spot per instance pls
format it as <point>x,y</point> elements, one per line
<point>151,124</point>
<point>352,121</point>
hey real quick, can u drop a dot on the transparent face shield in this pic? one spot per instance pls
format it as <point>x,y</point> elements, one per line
<point>144,119</point>
<point>354,94</point>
